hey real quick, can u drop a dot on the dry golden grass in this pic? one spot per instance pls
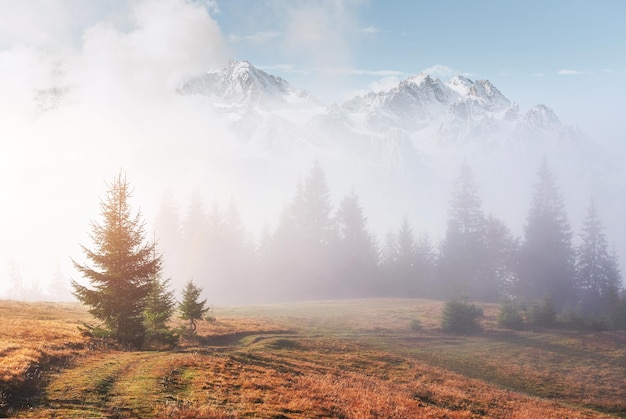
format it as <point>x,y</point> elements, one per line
<point>303,383</point>
<point>31,337</point>
<point>339,359</point>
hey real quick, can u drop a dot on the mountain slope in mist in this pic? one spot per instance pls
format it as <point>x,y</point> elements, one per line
<point>238,133</point>
<point>400,128</point>
<point>409,138</point>
<point>420,116</point>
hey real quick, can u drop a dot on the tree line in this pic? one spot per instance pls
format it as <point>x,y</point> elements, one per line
<point>317,251</point>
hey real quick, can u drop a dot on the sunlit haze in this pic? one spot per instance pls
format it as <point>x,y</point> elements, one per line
<point>92,88</point>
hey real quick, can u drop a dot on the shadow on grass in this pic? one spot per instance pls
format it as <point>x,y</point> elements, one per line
<point>236,338</point>
<point>538,341</point>
<point>25,391</point>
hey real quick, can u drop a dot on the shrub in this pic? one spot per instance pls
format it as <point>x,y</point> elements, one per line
<point>597,323</point>
<point>460,317</point>
<point>618,311</point>
<point>542,313</point>
<point>590,321</point>
<point>571,320</point>
<point>162,338</point>
<point>510,315</point>
<point>416,325</point>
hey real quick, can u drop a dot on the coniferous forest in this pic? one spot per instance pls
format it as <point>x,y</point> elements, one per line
<point>570,274</point>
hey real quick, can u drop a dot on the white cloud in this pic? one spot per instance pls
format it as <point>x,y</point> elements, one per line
<point>538,75</point>
<point>211,5</point>
<point>442,71</point>
<point>347,71</point>
<point>335,71</point>
<point>284,68</point>
<point>568,72</point>
<point>319,37</point>
<point>145,44</point>
<point>120,111</point>
<point>381,85</point>
<point>371,30</point>
<point>316,35</point>
<point>255,38</point>
<point>322,33</point>
<point>608,70</point>
<point>54,24</point>
<point>169,39</point>
<point>384,84</point>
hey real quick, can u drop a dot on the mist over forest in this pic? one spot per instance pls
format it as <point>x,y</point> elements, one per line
<point>260,191</point>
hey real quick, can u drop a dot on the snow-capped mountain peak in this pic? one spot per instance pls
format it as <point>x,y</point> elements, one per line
<point>240,79</point>
<point>240,83</point>
<point>421,110</point>
<point>460,84</point>
<point>540,116</point>
<point>419,79</point>
<point>486,92</point>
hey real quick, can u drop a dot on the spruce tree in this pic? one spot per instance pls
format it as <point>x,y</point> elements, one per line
<point>406,262</point>
<point>263,266</point>
<point>191,308</point>
<point>303,240</point>
<point>501,258</point>
<point>462,253</point>
<point>160,304</point>
<point>195,241</point>
<point>425,264</point>
<point>59,286</point>
<point>546,265</point>
<point>235,257</point>
<point>405,279</point>
<point>355,256</point>
<point>317,224</point>
<point>388,264</point>
<point>597,275</point>
<point>122,265</point>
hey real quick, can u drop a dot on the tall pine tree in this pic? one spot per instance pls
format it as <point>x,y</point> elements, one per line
<point>546,266</point>
<point>122,266</point>
<point>597,274</point>
<point>462,253</point>
<point>195,241</point>
<point>405,280</point>
<point>388,264</point>
<point>501,262</point>
<point>425,266</point>
<point>302,256</point>
<point>355,256</point>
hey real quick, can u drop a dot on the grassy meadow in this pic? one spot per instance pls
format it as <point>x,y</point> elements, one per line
<point>330,359</point>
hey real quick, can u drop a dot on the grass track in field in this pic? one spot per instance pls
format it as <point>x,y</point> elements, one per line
<point>354,359</point>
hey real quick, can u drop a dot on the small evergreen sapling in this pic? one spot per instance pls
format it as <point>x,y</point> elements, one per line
<point>160,305</point>
<point>510,315</point>
<point>190,308</point>
<point>461,317</point>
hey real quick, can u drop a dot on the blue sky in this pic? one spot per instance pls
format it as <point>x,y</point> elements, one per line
<point>570,55</point>
<point>121,60</point>
<point>567,54</point>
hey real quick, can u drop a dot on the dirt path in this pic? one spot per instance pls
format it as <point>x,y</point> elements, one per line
<point>116,384</point>
<point>112,384</point>
<point>286,375</point>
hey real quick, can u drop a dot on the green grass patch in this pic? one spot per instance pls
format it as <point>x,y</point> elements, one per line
<point>346,359</point>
